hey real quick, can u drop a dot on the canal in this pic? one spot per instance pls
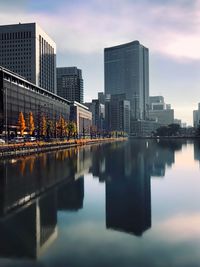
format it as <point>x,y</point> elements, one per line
<point>132,204</point>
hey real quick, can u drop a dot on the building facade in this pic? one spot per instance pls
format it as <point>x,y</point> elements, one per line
<point>81,115</point>
<point>98,114</point>
<point>126,71</point>
<point>19,95</point>
<point>117,111</point>
<point>28,51</point>
<point>160,111</point>
<point>70,83</point>
<point>196,117</point>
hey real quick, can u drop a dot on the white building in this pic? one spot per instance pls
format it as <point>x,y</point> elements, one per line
<point>27,50</point>
<point>160,111</point>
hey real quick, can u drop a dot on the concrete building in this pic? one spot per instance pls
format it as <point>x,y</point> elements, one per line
<point>126,70</point>
<point>27,50</point>
<point>160,111</point>
<point>196,117</point>
<point>70,83</point>
<point>81,115</point>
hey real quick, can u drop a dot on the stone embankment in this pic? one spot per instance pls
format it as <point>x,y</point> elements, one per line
<point>14,150</point>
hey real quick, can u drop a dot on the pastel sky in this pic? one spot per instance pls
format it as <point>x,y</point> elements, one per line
<point>82,28</point>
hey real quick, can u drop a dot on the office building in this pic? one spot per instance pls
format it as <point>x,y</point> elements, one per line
<point>117,114</point>
<point>196,117</point>
<point>98,114</point>
<point>28,51</point>
<point>70,83</point>
<point>160,111</point>
<point>81,115</point>
<point>126,70</point>
<point>18,95</point>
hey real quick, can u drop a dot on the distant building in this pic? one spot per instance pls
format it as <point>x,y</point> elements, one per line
<point>98,113</point>
<point>160,111</point>
<point>145,127</point>
<point>28,51</point>
<point>101,97</point>
<point>81,115</point>
<point>196,117</point>
<point>70,83</point>
<point>177,121</point>
<point>117,111</point>
<point>126,70</point>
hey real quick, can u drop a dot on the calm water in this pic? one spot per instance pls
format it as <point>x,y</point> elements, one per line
<point>130,204</point>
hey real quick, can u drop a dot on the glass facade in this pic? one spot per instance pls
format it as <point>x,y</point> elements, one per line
<point>18,95</point>
<point>70,83</point>
<point>126,70</point>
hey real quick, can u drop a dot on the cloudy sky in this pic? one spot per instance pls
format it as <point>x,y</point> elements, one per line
<point>82,28</point>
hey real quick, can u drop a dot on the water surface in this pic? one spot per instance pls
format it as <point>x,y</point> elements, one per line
<point>134,203</point>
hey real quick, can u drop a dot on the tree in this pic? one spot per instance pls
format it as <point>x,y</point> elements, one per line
<point>31,124</point>
<point>50,128</point>
<point>61,126</point>
<point>71,128</point>
<point>21,123</point>
<point>43,126</point>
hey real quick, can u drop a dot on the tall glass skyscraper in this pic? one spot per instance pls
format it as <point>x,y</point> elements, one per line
<point>126,70</point>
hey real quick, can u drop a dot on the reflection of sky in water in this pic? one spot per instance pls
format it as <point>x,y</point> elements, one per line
<point>170,238</point>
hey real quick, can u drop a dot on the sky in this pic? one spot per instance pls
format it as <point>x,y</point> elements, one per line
<point>83,28</point>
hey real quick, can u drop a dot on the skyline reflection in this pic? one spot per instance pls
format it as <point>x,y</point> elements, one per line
<point>32,193</point>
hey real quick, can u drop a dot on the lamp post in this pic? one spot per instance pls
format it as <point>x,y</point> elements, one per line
<point>6,116</point>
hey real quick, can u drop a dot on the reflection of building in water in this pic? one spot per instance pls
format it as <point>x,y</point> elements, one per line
<point>30,230</point>
<point>128,199</point>
<point>33,175</point>
<point>71,195</point>
<point>127,168</point>
<point>84,161</point>
<point>197,150</point>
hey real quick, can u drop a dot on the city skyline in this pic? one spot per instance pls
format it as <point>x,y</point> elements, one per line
<point>82,30</point>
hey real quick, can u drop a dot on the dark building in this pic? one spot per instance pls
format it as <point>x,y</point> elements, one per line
<point>98,114</point>
<point>117,113</point>
<point>18,95</point>
<point>126,70</point>
<point>70,83</point>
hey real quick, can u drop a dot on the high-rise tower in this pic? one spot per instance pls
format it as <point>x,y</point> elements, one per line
<point>126,70</point>
<point>28,51</point>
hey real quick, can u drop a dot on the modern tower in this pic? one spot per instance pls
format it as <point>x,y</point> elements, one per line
<point>70,83</point>
<point>28,51</point>
<point>126,70</point>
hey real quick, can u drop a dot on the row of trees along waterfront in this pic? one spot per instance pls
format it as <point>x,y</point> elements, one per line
<point>46,127</point>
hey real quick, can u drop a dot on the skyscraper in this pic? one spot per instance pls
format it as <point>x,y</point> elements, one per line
<point>126,70</point>
<point>27,50</point>
<point>70,83</point>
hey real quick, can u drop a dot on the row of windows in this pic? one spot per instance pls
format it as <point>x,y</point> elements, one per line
<point>14,45</point>
<point>15,35</point>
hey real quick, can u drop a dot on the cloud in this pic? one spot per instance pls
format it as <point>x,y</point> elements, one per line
<point>170,27</point>
<point>82,29</point>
